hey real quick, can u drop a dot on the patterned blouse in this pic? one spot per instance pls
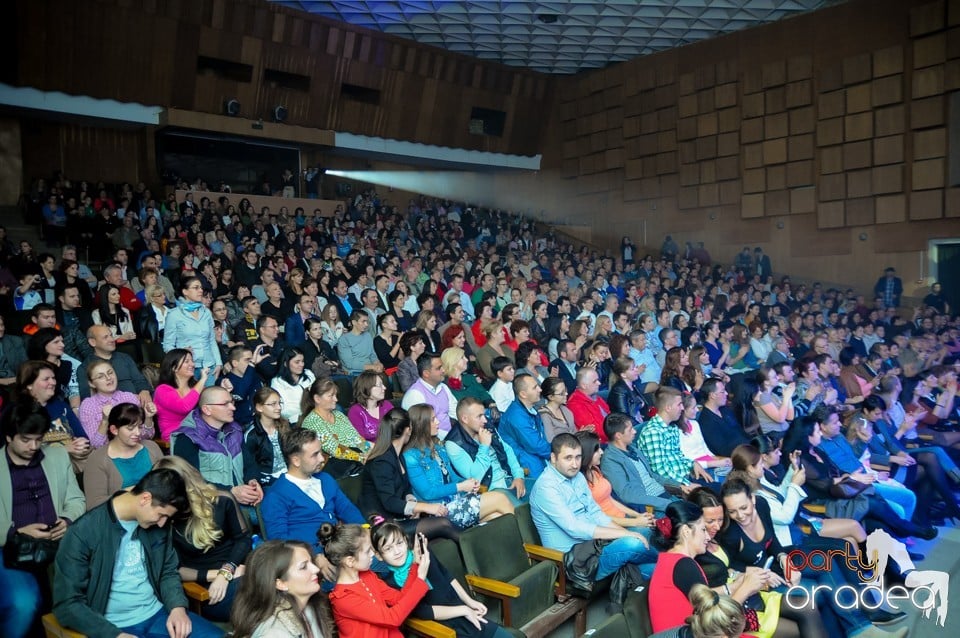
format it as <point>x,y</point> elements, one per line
<point>339,439</point>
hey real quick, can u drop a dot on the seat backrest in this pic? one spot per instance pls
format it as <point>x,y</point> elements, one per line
<point>495,549</point>
<point>447,552</point>
<point>637,610</point>
<point>528,530</point>
<point>351,486</point>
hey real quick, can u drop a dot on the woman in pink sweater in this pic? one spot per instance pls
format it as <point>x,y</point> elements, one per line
<point>176,394</point>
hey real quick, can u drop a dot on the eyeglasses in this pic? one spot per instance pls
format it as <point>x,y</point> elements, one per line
<point>274,404</point>
<point>223,404</point>
<point>105,375</point>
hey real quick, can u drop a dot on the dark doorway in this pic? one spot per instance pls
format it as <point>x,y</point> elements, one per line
<point>948,272</point>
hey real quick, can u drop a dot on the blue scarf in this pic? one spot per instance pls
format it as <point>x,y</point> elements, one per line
<point>401,573</point>
<point>191,306</point>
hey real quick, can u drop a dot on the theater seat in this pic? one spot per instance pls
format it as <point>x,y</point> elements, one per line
<point>523,594</point>
<point>53,629</point>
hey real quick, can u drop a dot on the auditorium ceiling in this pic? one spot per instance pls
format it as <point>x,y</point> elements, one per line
<point>563,36</point>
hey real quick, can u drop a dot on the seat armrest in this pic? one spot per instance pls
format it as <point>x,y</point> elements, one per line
<point>429,628</point>
<point>197,592</point>
<point>539,552</point>
<point>495,588</point>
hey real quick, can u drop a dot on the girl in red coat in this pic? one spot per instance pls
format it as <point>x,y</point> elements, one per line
<point>363,605</point>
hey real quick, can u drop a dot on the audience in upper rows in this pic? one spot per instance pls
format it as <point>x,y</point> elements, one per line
<point>269,351</point>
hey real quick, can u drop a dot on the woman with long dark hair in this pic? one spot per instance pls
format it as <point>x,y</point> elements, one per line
<point>47,344</point>
<point>178,390</point>
<point>386,484</point>
<point>292,380</point>
<point>433,477</point>
<point>263,439</point>
<point>110,313</point>
<point>280,595</point>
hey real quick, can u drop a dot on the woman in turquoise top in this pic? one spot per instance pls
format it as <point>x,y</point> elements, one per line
<point>190,326</point>
<point>124,460</point>
<point>433,478</point>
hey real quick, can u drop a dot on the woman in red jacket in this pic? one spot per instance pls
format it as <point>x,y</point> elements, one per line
<point>363,605</point>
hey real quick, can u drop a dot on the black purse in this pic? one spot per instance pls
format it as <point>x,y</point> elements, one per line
<point>29,553</point>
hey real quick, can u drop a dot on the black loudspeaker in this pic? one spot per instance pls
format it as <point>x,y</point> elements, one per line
<point>231,107</point>
<point>279,113</point>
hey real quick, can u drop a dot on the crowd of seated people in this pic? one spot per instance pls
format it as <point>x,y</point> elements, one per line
<point>433,368</point>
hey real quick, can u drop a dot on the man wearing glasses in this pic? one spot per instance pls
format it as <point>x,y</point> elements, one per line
<point>211,441</point>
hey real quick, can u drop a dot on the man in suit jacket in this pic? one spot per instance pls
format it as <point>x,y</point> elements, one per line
<point>345,302</point>
<point>304,497</point>
<point>566,364</point>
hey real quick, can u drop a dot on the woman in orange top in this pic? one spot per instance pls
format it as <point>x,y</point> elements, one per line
<point>363,605</point>
<point>602,491</point>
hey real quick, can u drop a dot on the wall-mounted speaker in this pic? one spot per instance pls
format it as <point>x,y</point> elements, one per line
<point>231,107</point>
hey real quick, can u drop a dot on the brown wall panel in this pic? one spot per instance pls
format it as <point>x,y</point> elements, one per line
<point>147,52</point>
<point>837,127</point>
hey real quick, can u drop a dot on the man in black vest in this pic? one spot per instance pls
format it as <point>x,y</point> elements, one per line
<point>477,451</point>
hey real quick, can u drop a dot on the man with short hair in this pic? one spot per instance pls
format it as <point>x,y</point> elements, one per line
<point>588,407</point>
<point>456,286</point>
<point>242,381</point>
<point>371,306</point>
<point>567,516</point>
<point>502,389</point>
<point>39,495</point>
<point>117,570</point>
<point>113,274</point>
<point>305,497</point>
<point>355,348</point>
<point>566,363</point>
<point>478,451</point>
<point>246,329</point>
<point>294,330</point>
<point>247,272</point>
<point>74,321</point>
<point>129,377</point>
<point>431,390</point>
<point>12,354</point>
<point>43,315</point>
<point>660,441</point>
<point>267,348</point>
<point>628,470</point>
<point>340,297</point>
<point>522,428</point>
<point>211,440</point>
<point>647,366</point>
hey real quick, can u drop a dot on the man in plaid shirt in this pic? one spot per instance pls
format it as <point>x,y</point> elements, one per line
<point>660,441</point>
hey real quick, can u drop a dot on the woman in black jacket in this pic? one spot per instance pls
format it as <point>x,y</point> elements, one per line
<point>262,439</point>
<point>386,487</point>
<point>625,396</point>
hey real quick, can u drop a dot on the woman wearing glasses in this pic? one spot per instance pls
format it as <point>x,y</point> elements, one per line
<point>104,395</point>
<point>555,414</point>
<point>263,438</point>
<point>190,326</point>
<point>123,461</point>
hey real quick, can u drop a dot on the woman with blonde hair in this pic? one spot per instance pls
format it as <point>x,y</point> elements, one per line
<point>461,383</point>
<point>714,616</point>
<point>213,542</point>
<point>494,347</point>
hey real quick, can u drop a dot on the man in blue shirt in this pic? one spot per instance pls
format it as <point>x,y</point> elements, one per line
<point>840,454</point>
<point>522,429</point>
<point>565,513</point>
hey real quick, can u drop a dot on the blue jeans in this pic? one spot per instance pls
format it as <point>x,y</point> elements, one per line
<point>901,499</point>
<point>156,627</point>
<point>624,550</point>
<point>19,602</point>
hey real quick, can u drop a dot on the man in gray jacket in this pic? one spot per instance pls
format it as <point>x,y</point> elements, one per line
<point>117,569</point>
<point>628,471</point>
